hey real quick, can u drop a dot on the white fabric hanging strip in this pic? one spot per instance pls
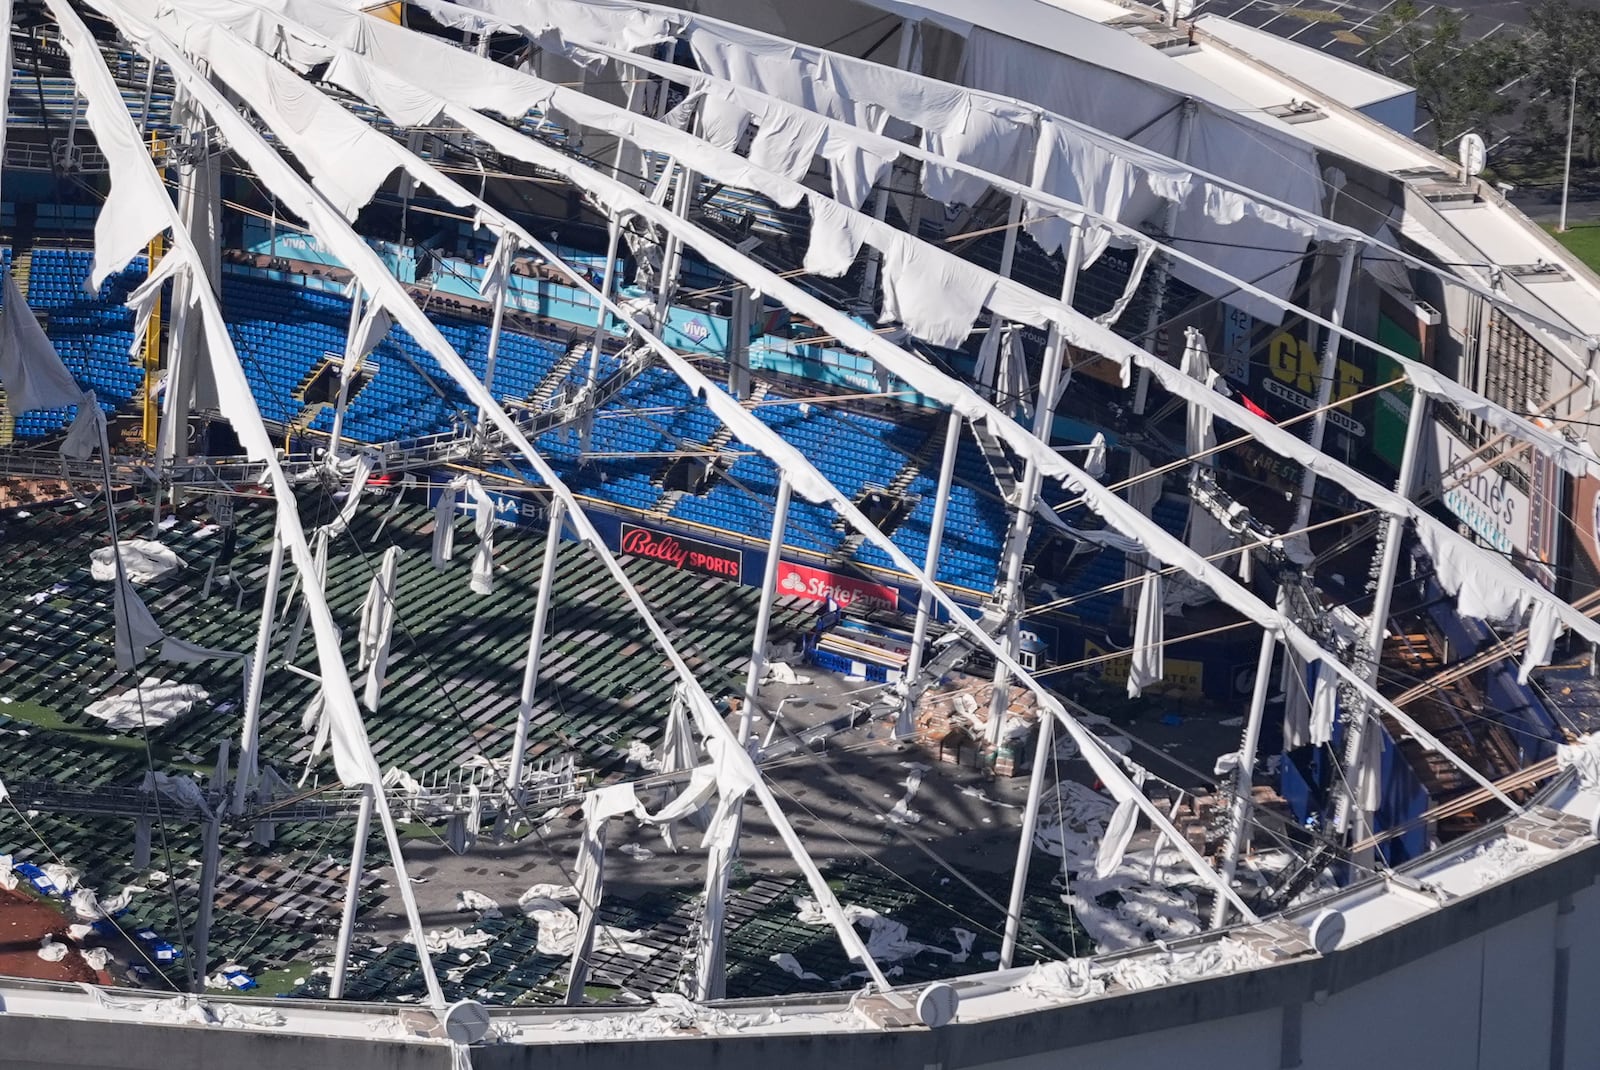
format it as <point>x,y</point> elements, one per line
<point>360,472</point>
<point>87,431</point>
<point>377,627</point>
<point>1296,701</point>
<point>1543,630</point>
<point>483,527</point>
<point>1147,661</point>
<point>136,630</point>
<point>370,333</point>
<point>1324,706</point>
<point>444,522</point>
<point>934,384</point>
<point>1141,260</point>
<point>899,363</point>
<point>30,369</point>
<point>888,354</point>
<point>328,226</point>
<point>453,74</point>
<point>910,95</point>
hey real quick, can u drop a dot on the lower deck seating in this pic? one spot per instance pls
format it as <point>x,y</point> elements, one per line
<point>282,333</point>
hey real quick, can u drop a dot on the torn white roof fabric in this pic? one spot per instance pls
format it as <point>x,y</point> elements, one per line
<point>30,369</point>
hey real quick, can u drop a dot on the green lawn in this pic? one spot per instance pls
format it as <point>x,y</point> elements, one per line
<point>49,720</point>
<point>278,982</point>
<point>1583,241</point>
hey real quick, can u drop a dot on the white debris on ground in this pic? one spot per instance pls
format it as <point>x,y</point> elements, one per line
<point>637,852</point>
<point>1085,978</point>
<point>152,704</point>
<point>467,899</point>
<point>887,940</point>
<point>51,951</point>
<point>142,561</point>
<point>789,964</point>
<point>558,924</point>
<point>1126,908</point>
<point>902,814</point>
<point>39,598</point>
<point>98,958</point>
<point>639,754</point>
<point>440,941</point>
<point>1501,859</point>
<point>780,673</point>
<point>1142,911</point>
<point>85,905</point>
<point>1072,822</point>
<point>670,1015</point>
<point>90,907</point>
<point>982,796</point>
<point>64,877</point>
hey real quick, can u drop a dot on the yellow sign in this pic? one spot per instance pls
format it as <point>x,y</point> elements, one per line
<point>1294,362</point>
<point>1182,676</point>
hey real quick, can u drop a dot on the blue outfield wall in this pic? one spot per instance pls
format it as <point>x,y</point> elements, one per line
<point>262,238</point>
<point>687,330</point>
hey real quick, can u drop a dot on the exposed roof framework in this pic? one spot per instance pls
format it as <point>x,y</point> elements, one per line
<point>262,52</point>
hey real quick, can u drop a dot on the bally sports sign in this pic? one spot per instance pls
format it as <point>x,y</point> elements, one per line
<point>818,585</point>
<point>681,552</point>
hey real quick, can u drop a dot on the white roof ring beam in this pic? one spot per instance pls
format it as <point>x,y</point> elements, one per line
<point>544,26</point>
<point>740,771</point>
<point>936,385</point>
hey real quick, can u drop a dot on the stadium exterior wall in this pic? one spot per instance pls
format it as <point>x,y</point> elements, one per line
<point>1498,979</point>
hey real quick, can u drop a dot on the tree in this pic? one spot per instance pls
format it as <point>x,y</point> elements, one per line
<point>1457,81</point>
<point>1563,40</point>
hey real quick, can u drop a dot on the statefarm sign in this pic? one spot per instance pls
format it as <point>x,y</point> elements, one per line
<point>818,585</point>
<point>681,552</point>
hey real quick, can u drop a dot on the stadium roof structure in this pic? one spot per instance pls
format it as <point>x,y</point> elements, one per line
<point>1107,148</point>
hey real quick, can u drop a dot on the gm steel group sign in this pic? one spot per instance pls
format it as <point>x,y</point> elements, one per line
<point>818,585</point>
<point>681,552</point>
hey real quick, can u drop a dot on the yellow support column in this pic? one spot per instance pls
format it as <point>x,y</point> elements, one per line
<point>152,335</point>
<point>152,356</point>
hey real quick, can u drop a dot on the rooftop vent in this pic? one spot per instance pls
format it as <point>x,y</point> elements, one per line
<point>1296,111</point>
<point>1537,272</point>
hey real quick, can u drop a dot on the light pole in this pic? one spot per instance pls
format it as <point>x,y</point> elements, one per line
<point>1566,177</point>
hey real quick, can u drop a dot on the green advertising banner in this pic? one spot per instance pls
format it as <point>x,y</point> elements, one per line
<point>1392,406</point>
